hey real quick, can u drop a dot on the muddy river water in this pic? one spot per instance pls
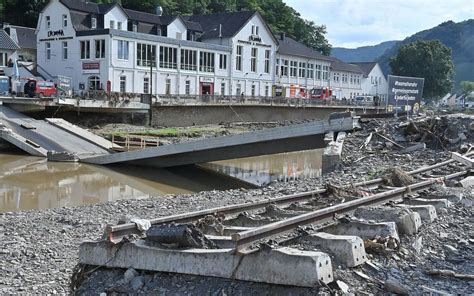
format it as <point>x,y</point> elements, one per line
<point>28,183</point>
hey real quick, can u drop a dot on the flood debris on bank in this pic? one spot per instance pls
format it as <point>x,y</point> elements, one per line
<point>38,249</point>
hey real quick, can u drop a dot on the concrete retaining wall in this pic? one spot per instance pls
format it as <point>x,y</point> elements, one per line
<point>200,115</point>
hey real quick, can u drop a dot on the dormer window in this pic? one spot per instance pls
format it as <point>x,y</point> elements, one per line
<point>119,26</point>
<point>112,24</point>
<point>94,23</point>
<point>135,28</point>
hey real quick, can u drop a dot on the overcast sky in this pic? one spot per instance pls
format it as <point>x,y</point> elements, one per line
<point>354,23</point>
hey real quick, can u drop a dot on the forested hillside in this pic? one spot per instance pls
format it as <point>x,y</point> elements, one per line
<point>361,54</point>
<point>280,17</point>
<point>457,36</point>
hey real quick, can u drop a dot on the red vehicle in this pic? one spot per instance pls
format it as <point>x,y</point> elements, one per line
<point>321,93</point>
<point>40,89</point>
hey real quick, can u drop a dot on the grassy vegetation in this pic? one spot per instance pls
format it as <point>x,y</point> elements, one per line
<point>191,132</point>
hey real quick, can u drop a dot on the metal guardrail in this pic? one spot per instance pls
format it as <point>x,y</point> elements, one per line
<point>249,100</point>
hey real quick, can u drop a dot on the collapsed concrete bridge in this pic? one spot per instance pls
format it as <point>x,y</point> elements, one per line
<point>41,137</point>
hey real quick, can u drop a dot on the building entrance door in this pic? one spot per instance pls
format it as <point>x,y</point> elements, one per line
<point>207,89</point>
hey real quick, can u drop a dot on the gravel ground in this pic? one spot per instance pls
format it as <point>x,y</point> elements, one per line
<point>38,249</point>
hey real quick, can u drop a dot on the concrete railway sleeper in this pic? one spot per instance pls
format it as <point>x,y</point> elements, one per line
<point>116,232</point>
<point>231,245</point>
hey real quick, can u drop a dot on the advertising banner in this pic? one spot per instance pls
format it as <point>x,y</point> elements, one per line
<point>405,93</point>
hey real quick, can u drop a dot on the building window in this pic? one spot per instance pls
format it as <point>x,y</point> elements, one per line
<point>238,90</point>
<point>100,49</point>
<point>255,30</point>
<point>253,60</point>
<point>223,89</point>
<point>123,84</point>
<point>94,83</point>
<point>267,61</point>
<point>146,55</point>
<point>168,57</point>
<point>94,23</point>
<point>325,72</point>
<point>284,68</point>
<point>48,50</point>
<point>253,90</point>
<point>188,59</point>
<point>310,71</point>
<point>293,68</point>
<point>267,91</point>
<point>206,61</point>
<point>146,85</point>
<point>135,28</point>
<point>112,24</point>
<point>3,59</point>
<point>168,87</point>
<point>48,22</point>
<point>187,87</point>
<point>122,50</point>
<point>85,49</point>
<point>302,70</point>
<point>119,25</point>
<point>65,20</point>
<point>65,50</point>
<point>318,72</point>
<point>222,61</point>
<point>240,52</point>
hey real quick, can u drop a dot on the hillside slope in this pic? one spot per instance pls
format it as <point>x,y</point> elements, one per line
<point>457,36</point>
<point>362,54</point>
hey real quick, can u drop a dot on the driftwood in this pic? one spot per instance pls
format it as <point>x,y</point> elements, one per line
<point>391,141</point>
<point>441,272</point>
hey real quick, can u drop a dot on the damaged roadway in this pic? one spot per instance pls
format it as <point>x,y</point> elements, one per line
<point>39,249</point>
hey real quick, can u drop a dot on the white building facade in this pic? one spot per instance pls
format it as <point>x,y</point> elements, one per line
<point>105,47</point>
<point>374,82</point>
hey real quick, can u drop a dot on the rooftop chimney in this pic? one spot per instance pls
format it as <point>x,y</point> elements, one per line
<point>159,10</point>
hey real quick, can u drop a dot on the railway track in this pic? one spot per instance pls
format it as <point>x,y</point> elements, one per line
<point>226,241</point>
<point>243,237</point>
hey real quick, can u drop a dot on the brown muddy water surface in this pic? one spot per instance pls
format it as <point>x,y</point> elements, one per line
<point>28,183</point>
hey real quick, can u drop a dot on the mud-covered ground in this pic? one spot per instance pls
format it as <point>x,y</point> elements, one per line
<point>38,249</point>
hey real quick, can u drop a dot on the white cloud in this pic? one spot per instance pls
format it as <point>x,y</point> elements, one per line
<point>353,23</point>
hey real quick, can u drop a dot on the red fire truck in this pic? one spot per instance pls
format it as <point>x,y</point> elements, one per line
<point>324,93</point>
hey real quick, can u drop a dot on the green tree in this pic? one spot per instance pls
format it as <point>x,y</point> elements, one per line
<point>428,59</point>
<point>467,88</point>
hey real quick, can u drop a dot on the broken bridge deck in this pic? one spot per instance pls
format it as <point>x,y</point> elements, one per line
<point>263,142</point>
<point>37,137</point>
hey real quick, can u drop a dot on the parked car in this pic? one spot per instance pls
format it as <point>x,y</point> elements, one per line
<point>40,89</point>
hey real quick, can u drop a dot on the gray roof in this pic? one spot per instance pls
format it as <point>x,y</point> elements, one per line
<point>289,46</point>
<point>6,42</point>
<point>193,26</point>
<point>89,7</point>
<point>231,23</point>
<point>144,17</point>
<point>26,37</point>
<point>339,65</point>
<point>366,67</point>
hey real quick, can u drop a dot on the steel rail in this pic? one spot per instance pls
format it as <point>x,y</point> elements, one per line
<point>117,231</point>
<point>244,238</point>
<point>129,228</point>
